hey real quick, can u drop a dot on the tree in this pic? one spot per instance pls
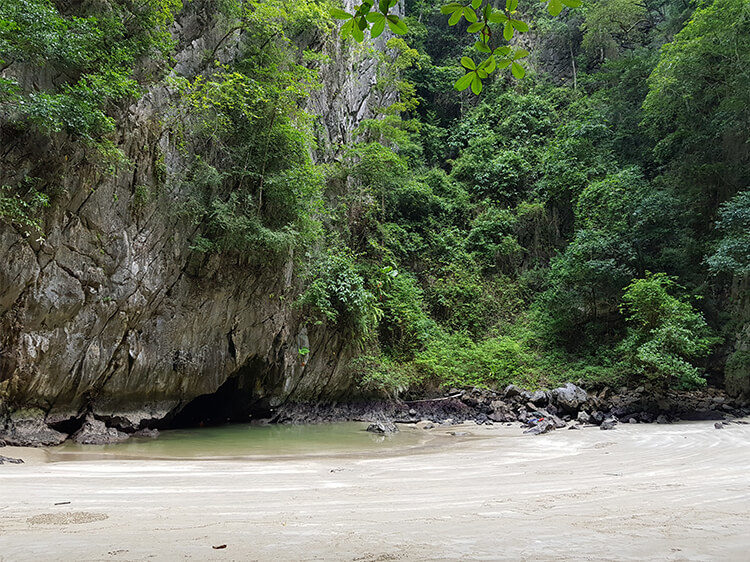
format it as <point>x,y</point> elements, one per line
<point>665,333</point>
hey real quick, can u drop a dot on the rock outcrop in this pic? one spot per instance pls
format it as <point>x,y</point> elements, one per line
<point>112,312</point>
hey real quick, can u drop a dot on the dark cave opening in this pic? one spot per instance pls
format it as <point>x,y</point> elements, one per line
<point>237,400</point>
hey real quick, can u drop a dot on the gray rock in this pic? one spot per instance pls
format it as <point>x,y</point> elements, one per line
<point>10,460</point>
<point>597,417</point>
<point>26,428</point>
<point>574,427</point>
<point>540,428</point>
<point>719,425</point>
<point>412,412</point>
<point>569,397</point>
<point>583,417</point>
<point>539,398</point>
<point>512,390</point>
<point>148,433</point>
<point>609,423</point>
<point>632,420</point>
<point>662,419</point>
<point>95,432</point>
<point>382,427</point>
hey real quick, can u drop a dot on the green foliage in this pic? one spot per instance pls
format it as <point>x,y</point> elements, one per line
<point>22,206</point>
<point>96,50</point>
<point>337,294</point>
<point>732,254</point>
<point>459,360</point>
<point>493,29</point>
<point>665,333</point>
<point>698,106</point>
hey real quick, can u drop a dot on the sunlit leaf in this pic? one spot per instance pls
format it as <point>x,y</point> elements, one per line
<point>464,82</point>
<point>397,25</point>
<point>340,14</point>
<point>476,85</point>
<point>468,63</point>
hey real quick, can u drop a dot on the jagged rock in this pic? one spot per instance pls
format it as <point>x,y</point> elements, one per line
<point>543,426</point>
<point>597,417</point>
<point>512,390</point>
<point>700,415</point>
<point>2,443</point>
<point>662,419</point>
<point>149,433</point>
<point>569,397</point>
<point>583,417</point>
<point>609,423</point>
<point>26,428</point>
<point>632,420</point>
<point>383,427</point>
<point>539,398</point>
<point>719,425</point>
<point>412,412</point>
<point>10,460</point>
<point>574,427</point>
<point>95,432</point>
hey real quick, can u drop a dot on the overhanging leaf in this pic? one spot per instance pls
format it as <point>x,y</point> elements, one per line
<point>468,63</point>
<point>397,25</point>
<point>476,85</point>
<point>340,14</point>
<point>464,82</point>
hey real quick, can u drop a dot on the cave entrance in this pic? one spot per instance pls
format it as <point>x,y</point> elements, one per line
<point>242,398</point>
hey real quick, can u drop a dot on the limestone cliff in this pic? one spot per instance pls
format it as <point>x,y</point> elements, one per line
<point>113,314</point>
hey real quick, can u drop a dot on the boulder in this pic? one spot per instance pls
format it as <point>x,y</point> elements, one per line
<point>149,433</point>
<point>26,428</point>
<point>569,397</point>
<point>95,432</point>
<point>382,427</point>
<point>719,425</point>
<point>539,398</point>
<point>512,390</point>
<point>609,423</point>
<point>662,419</point>
<point>543,426</point>
<point>583,417</point>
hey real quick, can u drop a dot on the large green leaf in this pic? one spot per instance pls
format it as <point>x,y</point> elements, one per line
<point>468,63</point>
<point>476,85</point>
<point>397,25</point>
<point>517,70</point>
<point>377,28</point>
<point>464,82</point>
<point>340,14</point>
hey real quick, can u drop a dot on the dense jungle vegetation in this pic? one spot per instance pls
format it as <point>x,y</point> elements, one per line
<point>589,221</point>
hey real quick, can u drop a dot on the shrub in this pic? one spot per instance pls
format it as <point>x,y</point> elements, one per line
<point>665,333</point>
<point>457,360</point>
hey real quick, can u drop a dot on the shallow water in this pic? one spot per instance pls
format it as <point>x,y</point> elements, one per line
<point>249,441</point>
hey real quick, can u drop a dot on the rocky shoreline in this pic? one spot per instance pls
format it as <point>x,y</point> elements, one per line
<point>541,411</point>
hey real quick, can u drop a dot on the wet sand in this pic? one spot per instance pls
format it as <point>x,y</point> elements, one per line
<point>640,492</point>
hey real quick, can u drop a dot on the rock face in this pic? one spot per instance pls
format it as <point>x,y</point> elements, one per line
<point>112,312</point>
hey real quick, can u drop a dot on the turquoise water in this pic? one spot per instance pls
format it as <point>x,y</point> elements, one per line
<point>249,441</point>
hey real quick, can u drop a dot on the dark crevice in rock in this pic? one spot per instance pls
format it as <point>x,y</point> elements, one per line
<point>69,425</point>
